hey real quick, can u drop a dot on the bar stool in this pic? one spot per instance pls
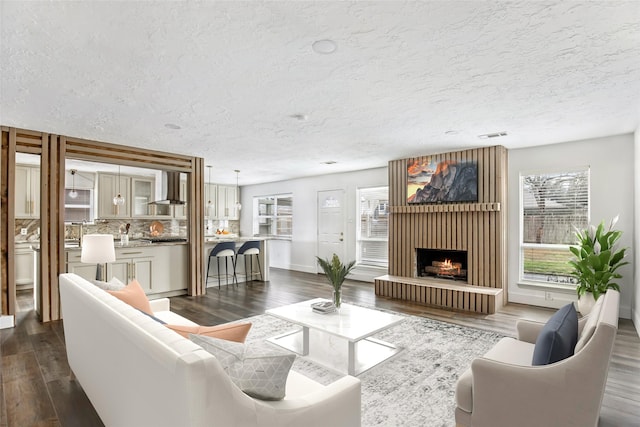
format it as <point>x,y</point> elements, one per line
<point>224,250</point>
<point>249,249</point>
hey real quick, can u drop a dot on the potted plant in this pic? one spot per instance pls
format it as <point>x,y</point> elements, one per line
<point>336,272</point>
<point>596,263</point>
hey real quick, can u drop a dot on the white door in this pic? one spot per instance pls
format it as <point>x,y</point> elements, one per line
<point>331,224</point>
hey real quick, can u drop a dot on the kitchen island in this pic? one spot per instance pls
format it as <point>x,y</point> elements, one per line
<point>241,274</point>
<point>161,268</point>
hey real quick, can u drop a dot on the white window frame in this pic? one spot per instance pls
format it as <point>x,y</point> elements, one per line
<point>563,284</point>
<point>271,218</point>
<point>359,238</point>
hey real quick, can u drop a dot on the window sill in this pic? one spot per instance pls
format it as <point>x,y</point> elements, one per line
<point>569,289</point>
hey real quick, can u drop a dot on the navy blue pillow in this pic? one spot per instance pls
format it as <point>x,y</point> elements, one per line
<point>558,338</point>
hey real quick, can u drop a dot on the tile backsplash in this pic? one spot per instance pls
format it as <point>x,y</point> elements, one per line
<point>139,229</point>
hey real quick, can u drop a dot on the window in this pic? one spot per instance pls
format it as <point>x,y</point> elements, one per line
<point>372,239</point>
<point>552,206</point>
<point>273,215</point>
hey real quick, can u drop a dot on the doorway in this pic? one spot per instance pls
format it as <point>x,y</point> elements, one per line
<point>331,224</point>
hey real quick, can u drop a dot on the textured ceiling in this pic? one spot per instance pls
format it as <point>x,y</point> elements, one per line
<point>407,78</point>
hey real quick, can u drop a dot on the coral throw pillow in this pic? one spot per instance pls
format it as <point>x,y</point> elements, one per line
<point>134,295</point>
<point>231,332</point>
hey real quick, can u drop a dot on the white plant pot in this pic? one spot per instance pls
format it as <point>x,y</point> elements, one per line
<point>586,303</point>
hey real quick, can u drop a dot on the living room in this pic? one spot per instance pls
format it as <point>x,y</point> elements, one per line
<point>559,115</point>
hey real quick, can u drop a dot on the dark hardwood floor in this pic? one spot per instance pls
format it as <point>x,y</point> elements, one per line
<point>36,388</point>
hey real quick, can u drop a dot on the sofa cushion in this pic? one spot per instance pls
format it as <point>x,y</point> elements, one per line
<point>557,339</point>
<point>590,326</point>
<point>112,285</point>
<point>259,371</point>
<point>231,332</point>
<point>134,295</point>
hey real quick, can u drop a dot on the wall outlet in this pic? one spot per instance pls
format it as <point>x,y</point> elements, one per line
<point>548,296</point>
<point>23,231</point>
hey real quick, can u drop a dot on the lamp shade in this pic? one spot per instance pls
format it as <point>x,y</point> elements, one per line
<point>97,249</point>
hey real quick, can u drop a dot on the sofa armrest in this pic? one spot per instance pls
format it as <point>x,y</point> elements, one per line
<point>161,304</point>
<point>337,404</point>
<point>528,330</point>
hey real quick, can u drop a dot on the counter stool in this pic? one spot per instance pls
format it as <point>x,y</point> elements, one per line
<point>249,249</point>
<point>224,250</point>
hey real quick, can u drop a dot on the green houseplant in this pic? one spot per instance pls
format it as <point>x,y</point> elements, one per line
<point>336,272</point>
<point>596,262</point>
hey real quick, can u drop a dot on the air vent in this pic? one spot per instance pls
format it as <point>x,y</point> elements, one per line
<point>492,135</point>
<point>329,162</point>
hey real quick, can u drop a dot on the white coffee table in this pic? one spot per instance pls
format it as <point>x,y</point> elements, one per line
<point>340,340</point>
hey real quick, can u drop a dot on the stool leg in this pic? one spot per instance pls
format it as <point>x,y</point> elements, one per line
<point>218,264</point>
<point>249,272</point>
<point>234,261</point>
<point>259,268</point>
<point>206,280</point>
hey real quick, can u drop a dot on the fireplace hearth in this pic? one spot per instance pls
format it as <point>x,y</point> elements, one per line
<point>444,264</point>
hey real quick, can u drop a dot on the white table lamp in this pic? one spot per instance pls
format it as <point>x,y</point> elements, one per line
<point>98,249</point>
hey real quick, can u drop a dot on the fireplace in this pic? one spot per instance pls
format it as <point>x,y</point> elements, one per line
<point>444,264</point>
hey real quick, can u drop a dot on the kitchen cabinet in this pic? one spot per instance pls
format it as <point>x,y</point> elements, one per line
<point>27,191</point>
<point>227,198</point>
<point>109,185</point>
<point>160,269</point>
<point>86,271</point>
<point>210,195</point>
<point>24,272</point>
<point>134,263</point>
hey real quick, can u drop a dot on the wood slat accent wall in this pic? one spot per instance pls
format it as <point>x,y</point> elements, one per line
<point>54,150</point>
<point>478,228</point>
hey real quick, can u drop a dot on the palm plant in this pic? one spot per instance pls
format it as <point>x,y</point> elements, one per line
<point>336,272</point>
<point>597,259</point>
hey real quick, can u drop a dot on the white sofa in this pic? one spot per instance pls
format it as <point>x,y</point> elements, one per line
<point>138,373</point>
<point>503,389</point>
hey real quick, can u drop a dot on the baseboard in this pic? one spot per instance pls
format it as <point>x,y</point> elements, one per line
<point>302,268</point>
<point>635,318</point>
<point>558,301</point>
<point>7,322</point>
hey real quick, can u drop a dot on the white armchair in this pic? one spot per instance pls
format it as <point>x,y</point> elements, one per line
<point>503,389</point>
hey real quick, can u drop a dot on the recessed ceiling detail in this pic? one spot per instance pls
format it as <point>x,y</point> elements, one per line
<point>324,47</point>
<point>492,135</point>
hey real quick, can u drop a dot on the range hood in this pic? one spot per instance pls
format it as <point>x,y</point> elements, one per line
<point>171,189</point>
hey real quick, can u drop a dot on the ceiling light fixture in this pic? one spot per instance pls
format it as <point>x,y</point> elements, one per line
<point>73,194</point>
<point>118,200</point>
<point>492,135</point>
<point>329,162</point>
<point>324,47</point>
<point>238,205</point>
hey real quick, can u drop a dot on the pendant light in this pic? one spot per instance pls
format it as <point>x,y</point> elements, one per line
<point>238,205</point>
<point>209,203</point>
<point>73,194</point>
<point>118,200</point>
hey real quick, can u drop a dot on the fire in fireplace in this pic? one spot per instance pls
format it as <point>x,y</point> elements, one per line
<point>445,264</point>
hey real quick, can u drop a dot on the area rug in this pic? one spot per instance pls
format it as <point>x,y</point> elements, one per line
<point>416,387</point>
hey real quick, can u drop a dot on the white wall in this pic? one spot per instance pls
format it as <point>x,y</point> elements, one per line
<point>299,253</point>
<point>611,160</point>
<point>635,309</point>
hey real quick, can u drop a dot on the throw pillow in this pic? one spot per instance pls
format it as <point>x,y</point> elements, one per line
<point>134,295</point>
<point>112,285</point>
<point>260,372</point>
<point>590,326</point>
<point>558,337</point>
<point>231,332</point>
